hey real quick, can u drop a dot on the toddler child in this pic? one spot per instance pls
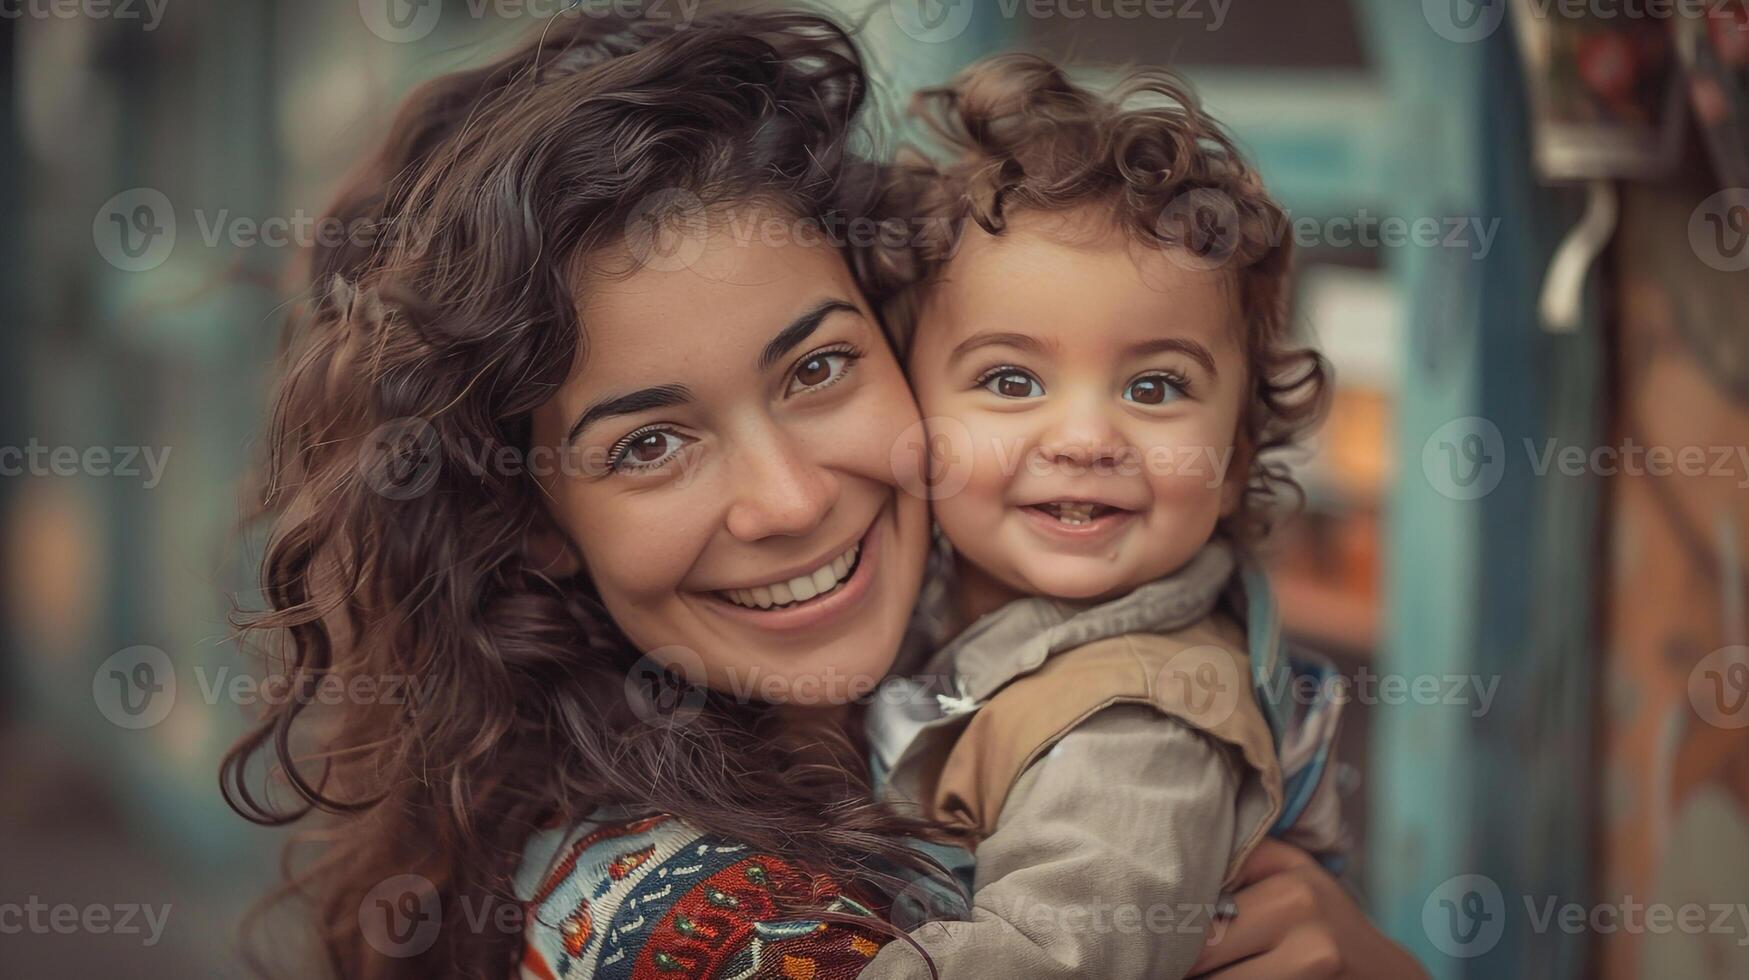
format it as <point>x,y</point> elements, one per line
<point>1102,359</point>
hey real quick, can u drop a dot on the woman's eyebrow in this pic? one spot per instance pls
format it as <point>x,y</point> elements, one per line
<point>791,336</point>
<point>642,400</point>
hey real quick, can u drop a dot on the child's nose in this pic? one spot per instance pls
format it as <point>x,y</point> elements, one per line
<point>1083,438</point>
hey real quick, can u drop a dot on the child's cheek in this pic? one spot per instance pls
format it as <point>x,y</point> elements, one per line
<point>973,461</point>
<point>1187,476</point>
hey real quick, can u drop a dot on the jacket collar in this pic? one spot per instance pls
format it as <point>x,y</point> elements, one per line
<point>1015,640</point>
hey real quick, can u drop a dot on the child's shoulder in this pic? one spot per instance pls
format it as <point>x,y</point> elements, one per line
<point>1179,671</point>
<point>1197,677</point>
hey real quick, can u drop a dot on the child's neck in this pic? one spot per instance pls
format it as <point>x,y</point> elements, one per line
<point>976,594</point>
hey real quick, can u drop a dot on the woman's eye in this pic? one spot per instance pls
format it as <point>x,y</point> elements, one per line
<point>646,450</point>
<point>1153,389</point>
<point>1013,384</point>
<point>816,371</point>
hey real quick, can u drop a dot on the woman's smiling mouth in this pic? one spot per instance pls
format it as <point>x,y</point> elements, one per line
<point>821,581</point>
<point>813,598</point>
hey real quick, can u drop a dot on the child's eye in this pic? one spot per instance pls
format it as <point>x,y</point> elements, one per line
<point>1154,389</point>
<point>1011,383</point>
<point>645,449</point>
<point>821,369</point>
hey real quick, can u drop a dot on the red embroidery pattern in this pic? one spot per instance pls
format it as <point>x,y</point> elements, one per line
<point>713,930</point>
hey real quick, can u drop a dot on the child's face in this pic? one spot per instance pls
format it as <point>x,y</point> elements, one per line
<point>1100,383</point>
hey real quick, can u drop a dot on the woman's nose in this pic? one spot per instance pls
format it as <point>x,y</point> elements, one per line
<point>779,490</point>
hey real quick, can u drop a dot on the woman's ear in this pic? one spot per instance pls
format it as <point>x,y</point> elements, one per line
<point>549,551</point>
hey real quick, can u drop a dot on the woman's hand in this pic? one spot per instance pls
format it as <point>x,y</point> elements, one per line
<point>1296,923</point>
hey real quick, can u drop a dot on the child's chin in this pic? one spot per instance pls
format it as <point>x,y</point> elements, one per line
<point>1082,588</point>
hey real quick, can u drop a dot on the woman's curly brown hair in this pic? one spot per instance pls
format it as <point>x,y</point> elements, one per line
<point>1012,133</point>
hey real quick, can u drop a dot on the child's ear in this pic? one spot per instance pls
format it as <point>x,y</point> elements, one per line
<point>550,551</point>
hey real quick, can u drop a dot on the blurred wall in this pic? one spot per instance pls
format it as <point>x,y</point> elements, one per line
<point>1675,659</point>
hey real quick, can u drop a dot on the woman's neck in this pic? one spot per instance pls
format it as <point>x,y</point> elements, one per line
<point>810,718</point>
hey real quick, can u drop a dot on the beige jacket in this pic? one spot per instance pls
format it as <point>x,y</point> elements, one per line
<point>1112,766</point>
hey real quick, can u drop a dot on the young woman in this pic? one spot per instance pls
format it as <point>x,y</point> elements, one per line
<point>534,436</point>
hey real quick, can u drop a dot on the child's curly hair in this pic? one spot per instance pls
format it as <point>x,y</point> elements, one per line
<point>1015,134</point>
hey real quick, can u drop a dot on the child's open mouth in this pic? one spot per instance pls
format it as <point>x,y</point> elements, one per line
<point>1074,513</point>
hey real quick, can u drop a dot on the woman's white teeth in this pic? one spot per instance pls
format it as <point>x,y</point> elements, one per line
<point>799,589</point>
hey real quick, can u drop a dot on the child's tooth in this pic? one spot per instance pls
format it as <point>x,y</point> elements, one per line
<point>803,587</point>
<point>780,594</point>
<point>824,579</point>
<point>762,596</point>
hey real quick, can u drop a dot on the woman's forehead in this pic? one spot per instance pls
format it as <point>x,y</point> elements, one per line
<point>728,297</point>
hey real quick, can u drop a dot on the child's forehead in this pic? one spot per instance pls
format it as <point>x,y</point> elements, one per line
<point>1081,263</point>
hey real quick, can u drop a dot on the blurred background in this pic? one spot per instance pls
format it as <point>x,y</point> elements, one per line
<point>1524,240</point>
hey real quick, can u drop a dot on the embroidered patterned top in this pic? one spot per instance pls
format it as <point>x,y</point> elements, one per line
<point>655,899</point>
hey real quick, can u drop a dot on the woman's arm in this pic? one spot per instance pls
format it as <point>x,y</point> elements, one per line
<point>1296,923</point>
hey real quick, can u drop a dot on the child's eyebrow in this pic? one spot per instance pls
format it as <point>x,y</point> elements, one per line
<point>1025,342</point>
<point>1175,345</point>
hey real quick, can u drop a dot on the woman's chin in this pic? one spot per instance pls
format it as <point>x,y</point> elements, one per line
<point>832,676</point>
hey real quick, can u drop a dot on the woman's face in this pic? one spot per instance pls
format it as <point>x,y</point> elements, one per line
<point>736,427</point>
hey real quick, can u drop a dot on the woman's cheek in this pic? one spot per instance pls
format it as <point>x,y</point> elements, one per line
<point>640,548</point>
<point>878,434</point>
